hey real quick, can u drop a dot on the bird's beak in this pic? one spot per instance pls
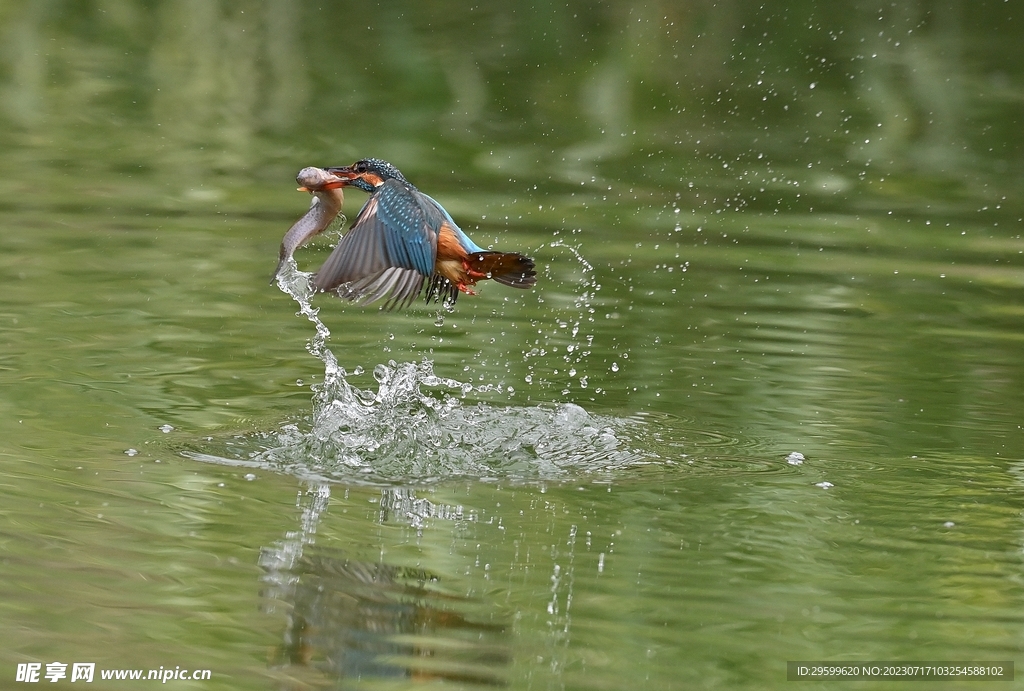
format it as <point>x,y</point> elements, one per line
<point>342,177</point>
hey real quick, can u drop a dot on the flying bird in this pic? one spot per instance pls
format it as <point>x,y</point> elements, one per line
<point>401,241</point>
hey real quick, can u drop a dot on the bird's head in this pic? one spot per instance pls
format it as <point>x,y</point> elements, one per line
<point>367,174</point>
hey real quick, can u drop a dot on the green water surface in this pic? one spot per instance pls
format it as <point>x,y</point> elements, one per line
<point>764,403</point>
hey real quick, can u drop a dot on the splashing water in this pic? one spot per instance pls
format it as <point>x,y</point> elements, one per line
<point>417,427</point>
<point>569,331</point>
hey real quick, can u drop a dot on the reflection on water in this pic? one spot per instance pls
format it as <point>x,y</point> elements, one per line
<point>352,619</point>
<point>403,504</point>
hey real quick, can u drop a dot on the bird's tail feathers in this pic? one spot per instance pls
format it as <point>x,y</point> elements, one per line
<point>508,268</point>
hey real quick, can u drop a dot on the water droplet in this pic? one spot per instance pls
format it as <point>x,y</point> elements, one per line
<point>166,429</point>
<point>795,458</point>
<point>131,452</point>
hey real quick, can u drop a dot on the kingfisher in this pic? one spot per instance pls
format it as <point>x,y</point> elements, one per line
<point>402,240</point>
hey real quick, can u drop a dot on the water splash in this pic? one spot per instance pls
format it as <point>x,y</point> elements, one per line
<point>570,335</point>
<point>420,427</point>
<point>417,427</point>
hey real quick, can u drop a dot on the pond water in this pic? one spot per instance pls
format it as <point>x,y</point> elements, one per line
<point>763,405</point>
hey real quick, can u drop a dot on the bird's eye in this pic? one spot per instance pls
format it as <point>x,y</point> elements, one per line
<point>361,167</point>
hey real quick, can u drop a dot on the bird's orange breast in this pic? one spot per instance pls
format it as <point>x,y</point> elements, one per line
<point>448,245</point>
<point>451,256</point>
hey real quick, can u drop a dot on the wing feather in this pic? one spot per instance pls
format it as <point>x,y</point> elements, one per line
<point>354,257</point>
<point>389,252</point>
<point>441,290</point>
<point>398,285</point>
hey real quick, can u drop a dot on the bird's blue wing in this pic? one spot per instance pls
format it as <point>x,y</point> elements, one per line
<point>412,238</point>
<point>389,251</point>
